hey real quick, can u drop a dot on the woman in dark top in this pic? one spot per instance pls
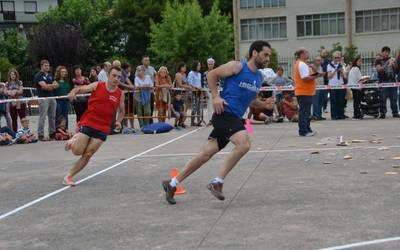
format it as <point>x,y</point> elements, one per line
<point>64,86</point>
<point>80,103</point>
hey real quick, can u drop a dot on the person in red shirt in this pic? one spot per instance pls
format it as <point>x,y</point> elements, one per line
<point>289,107</point>
<point>96,122</point>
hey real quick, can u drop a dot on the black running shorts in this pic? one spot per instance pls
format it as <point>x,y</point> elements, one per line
<point>225,125</point>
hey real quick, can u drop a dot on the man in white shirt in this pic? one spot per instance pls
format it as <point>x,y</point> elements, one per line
<point>104,71</point>
<point>151,72</point>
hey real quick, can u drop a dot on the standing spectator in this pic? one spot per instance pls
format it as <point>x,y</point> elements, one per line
<point>354,78</point>
<point>318,99</point>
<point>335,75</point>
<point>151,72</point>
<point>163,84</point>
<point>46,87</point>
<point>128,87</point>
<point>210,66</point>
<point>80,103</point>
<point>117,63</point>
<point>325,62</point>
<point>14,90</point>
<point>305,83</point>
<point>63,89</point>
<point>397,68</point>
<point>93,75</point>
<point>374,73</point>
<point>142,98</point>
<point>4,111</point>
<point>280,81</point>
<point>384,67</point>
<point>194,79</point>
<point>180,77</point>
<point>104,71</point>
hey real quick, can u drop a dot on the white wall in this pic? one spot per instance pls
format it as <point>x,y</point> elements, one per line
<point>286,47</point>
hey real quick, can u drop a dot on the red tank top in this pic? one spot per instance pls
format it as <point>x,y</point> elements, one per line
<point>101,108</point>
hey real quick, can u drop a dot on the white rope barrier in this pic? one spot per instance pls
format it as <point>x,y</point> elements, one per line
<point>267,89</point>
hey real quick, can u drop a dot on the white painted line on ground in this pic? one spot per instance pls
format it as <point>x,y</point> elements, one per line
<point>363,243</point>
<point>275,151</point>
<point>18,209</point>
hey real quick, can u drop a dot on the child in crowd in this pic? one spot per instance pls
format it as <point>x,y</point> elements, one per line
<point>289,106</point>
<point>264,114</point>
<point>25,135</point>
<point>62,133</point>
<point>178,110</point>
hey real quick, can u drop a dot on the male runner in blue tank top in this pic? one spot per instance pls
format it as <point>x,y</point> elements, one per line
<point>242,82</point>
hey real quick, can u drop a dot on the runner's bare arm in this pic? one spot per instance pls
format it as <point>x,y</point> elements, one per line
<point>82,90</point>
<point>223,71</point>
<point>121,112</point>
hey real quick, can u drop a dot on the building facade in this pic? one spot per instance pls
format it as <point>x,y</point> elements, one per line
<point>289,24</point>
<point>22,13</point>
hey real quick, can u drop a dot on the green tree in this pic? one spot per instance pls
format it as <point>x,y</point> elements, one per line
<point>135,19</point>
<point>185,35</point>
<point>100,28</point>
<point>273,60</point>
<point>13,46</point>
<point>5,66</point>
<point>68,46</point>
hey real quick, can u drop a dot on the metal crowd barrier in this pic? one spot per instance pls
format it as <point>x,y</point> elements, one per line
<point>188,97</point>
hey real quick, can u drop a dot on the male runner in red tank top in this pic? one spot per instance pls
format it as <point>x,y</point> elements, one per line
<point>96,122</point>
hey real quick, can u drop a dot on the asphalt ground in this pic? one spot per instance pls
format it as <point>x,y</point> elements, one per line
<point>286,193</point>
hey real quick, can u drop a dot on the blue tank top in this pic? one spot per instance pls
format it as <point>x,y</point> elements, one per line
<point>240,90</point>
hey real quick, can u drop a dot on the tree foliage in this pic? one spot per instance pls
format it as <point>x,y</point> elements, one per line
<point>273,59</point>
<point>5,66</point>
<point>184,34</point>
<point>59,43</point>
<point>135,19</point>
<point>96,20</point>
<point>13,46</point>
<point>350,53</point>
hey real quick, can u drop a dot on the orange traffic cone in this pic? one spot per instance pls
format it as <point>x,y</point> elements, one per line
<point>179,189</point>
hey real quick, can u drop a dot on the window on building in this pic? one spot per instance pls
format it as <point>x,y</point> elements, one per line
<point>30,7</point>
<point>377,20</point>
<point>263,28</point>
<point>8,10</point>
<point>249,4</point>
<point>320,24</point>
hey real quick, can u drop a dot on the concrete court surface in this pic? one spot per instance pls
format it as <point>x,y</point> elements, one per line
<point>280,196</point>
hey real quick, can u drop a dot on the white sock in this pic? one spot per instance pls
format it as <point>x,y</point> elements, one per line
<point>174,182</point>
<point>217,180</point>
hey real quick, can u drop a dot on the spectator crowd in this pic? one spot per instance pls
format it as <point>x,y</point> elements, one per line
<point>148,90</point>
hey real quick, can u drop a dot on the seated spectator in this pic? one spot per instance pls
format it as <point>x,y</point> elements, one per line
<point>266,113</point>
<point>6,139</point>
<point>178,110</point>
<point>24,134</point>
<point>62,133</point>
<point>289,106</point>
<point>7,130</point>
